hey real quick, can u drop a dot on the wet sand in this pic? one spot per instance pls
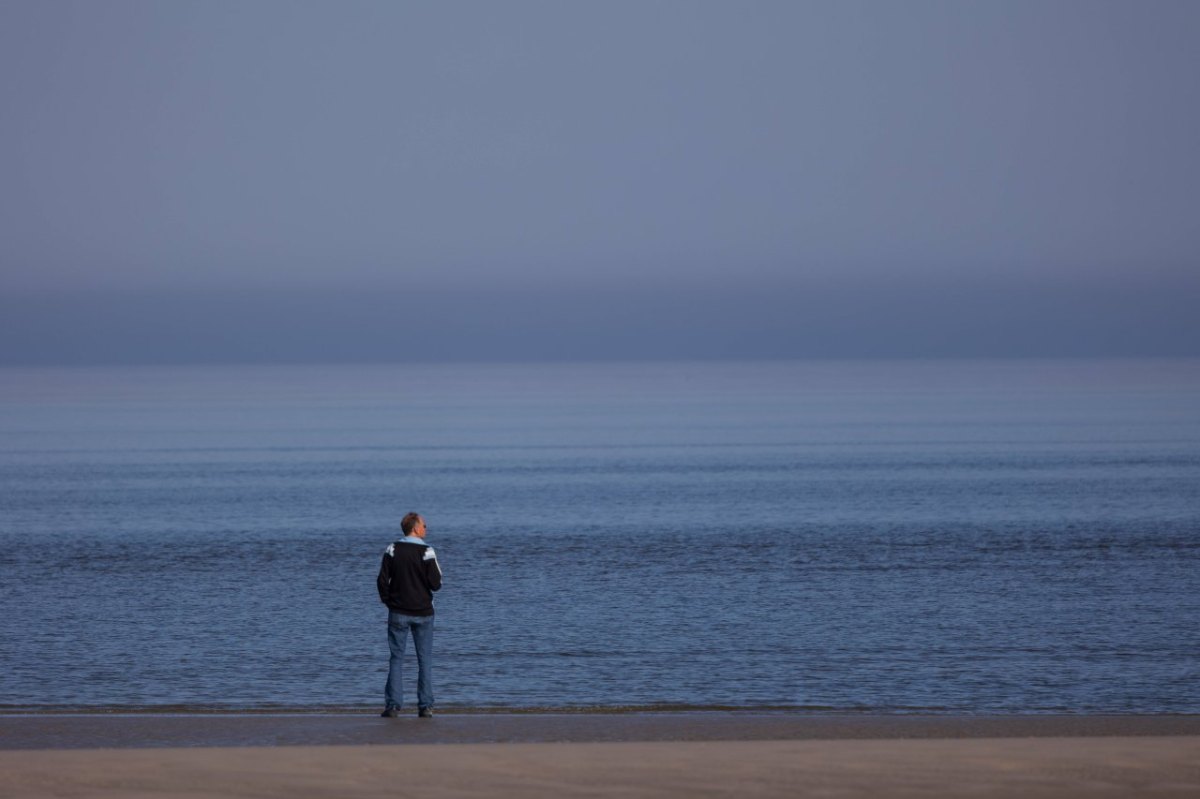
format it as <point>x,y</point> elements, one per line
<point>663,755</point>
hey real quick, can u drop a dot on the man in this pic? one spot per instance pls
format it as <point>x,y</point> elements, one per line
<point>407,579</point>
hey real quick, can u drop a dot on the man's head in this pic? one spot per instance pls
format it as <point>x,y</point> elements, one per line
<point>413,524</point>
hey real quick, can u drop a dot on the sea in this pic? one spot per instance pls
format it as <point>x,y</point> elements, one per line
<point>966,537</point>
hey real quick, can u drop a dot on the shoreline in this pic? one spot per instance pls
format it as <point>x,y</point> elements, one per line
<point>63,731</point>
<point>814,711</point>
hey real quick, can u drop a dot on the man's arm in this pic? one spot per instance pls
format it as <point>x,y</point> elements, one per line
<point>433,572</point>
<point>385,576</point>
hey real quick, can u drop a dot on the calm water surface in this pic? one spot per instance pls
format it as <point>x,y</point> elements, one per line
<point>1003,536</point>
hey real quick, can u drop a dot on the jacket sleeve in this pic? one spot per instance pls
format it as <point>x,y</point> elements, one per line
<point>433,572</point>
<point>385,577</point>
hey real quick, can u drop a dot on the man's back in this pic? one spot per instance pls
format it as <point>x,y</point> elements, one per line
<point>408,576</point>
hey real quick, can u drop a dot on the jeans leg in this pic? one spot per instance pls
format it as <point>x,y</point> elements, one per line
<point>393,692</point>
<point>422,630</point>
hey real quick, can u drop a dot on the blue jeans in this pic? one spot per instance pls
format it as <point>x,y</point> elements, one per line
<point>422,633</point>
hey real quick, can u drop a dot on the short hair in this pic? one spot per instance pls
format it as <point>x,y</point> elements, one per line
<point>409,522</point>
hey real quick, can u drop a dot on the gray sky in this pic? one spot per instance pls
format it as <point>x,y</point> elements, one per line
<point>375,181</point>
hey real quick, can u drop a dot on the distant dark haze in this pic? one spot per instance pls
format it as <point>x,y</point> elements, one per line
<point>302,181</point>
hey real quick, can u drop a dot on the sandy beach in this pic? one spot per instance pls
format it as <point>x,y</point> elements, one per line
<point>664,755</point>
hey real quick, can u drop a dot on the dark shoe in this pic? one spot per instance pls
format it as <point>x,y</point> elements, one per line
<point>425,713</point>
<point>391,713</point>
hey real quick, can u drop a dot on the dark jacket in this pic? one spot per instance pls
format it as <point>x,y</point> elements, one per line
<point>408,577</point>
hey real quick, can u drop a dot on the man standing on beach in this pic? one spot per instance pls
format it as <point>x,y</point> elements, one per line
<point>407,579</point>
